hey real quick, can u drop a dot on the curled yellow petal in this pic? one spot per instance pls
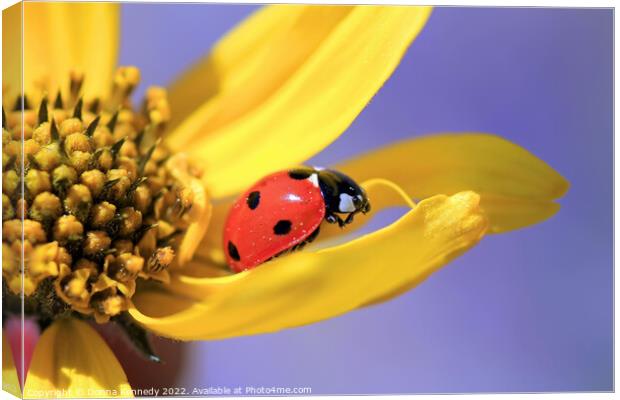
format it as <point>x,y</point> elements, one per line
<point>311,286</point>
<point>210,249</point>
<point>299,92</point>
<point>64,37</point>
<point>199,214</point>
<point>72,360</point>
<point>517,189</point>
<point>10,381</point>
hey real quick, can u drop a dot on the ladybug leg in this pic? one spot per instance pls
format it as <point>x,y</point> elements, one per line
<point>308,240</point>
<point>313,235</point>
<point>349,218</point>
<point>333,218</point>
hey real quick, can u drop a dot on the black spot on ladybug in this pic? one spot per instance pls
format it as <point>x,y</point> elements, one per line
<point>300,174</point>
<point>282,227</point>
<point>233,252</point>
<point>253,200</point>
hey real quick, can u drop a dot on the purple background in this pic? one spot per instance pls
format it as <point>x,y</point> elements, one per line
<point>525,311</point>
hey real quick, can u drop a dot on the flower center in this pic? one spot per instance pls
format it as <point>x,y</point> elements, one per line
<point>91,200</point>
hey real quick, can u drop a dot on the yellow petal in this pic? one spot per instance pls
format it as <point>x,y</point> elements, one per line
<point>298,93</point>
<point>517,189</point>
<point>199,214</point>
<point>72,360</point>
<point>10,381</point>
<point>508,213</point>
<point>311,286</point>
<point>61,37</point>
<point>210,248</point>
<point>231,61</point>
<point>11,51</point>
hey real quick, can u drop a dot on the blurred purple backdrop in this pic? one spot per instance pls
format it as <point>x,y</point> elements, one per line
<point>525,311</point>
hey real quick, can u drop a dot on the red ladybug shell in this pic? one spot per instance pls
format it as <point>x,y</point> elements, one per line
<point>275,214</point>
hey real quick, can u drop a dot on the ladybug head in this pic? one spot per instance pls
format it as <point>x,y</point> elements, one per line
<point>344,194</point>
<point>361,202</point>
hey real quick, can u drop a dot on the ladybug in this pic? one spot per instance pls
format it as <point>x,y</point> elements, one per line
<point>283,212</point>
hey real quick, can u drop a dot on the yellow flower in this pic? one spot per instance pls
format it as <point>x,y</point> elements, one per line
<point>272,93</point>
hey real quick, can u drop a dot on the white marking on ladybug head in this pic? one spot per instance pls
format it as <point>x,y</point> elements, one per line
<point>314,178</point>
<point>346,203</point>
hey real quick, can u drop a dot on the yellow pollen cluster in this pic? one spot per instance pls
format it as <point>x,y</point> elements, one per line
<point>90,200</point>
